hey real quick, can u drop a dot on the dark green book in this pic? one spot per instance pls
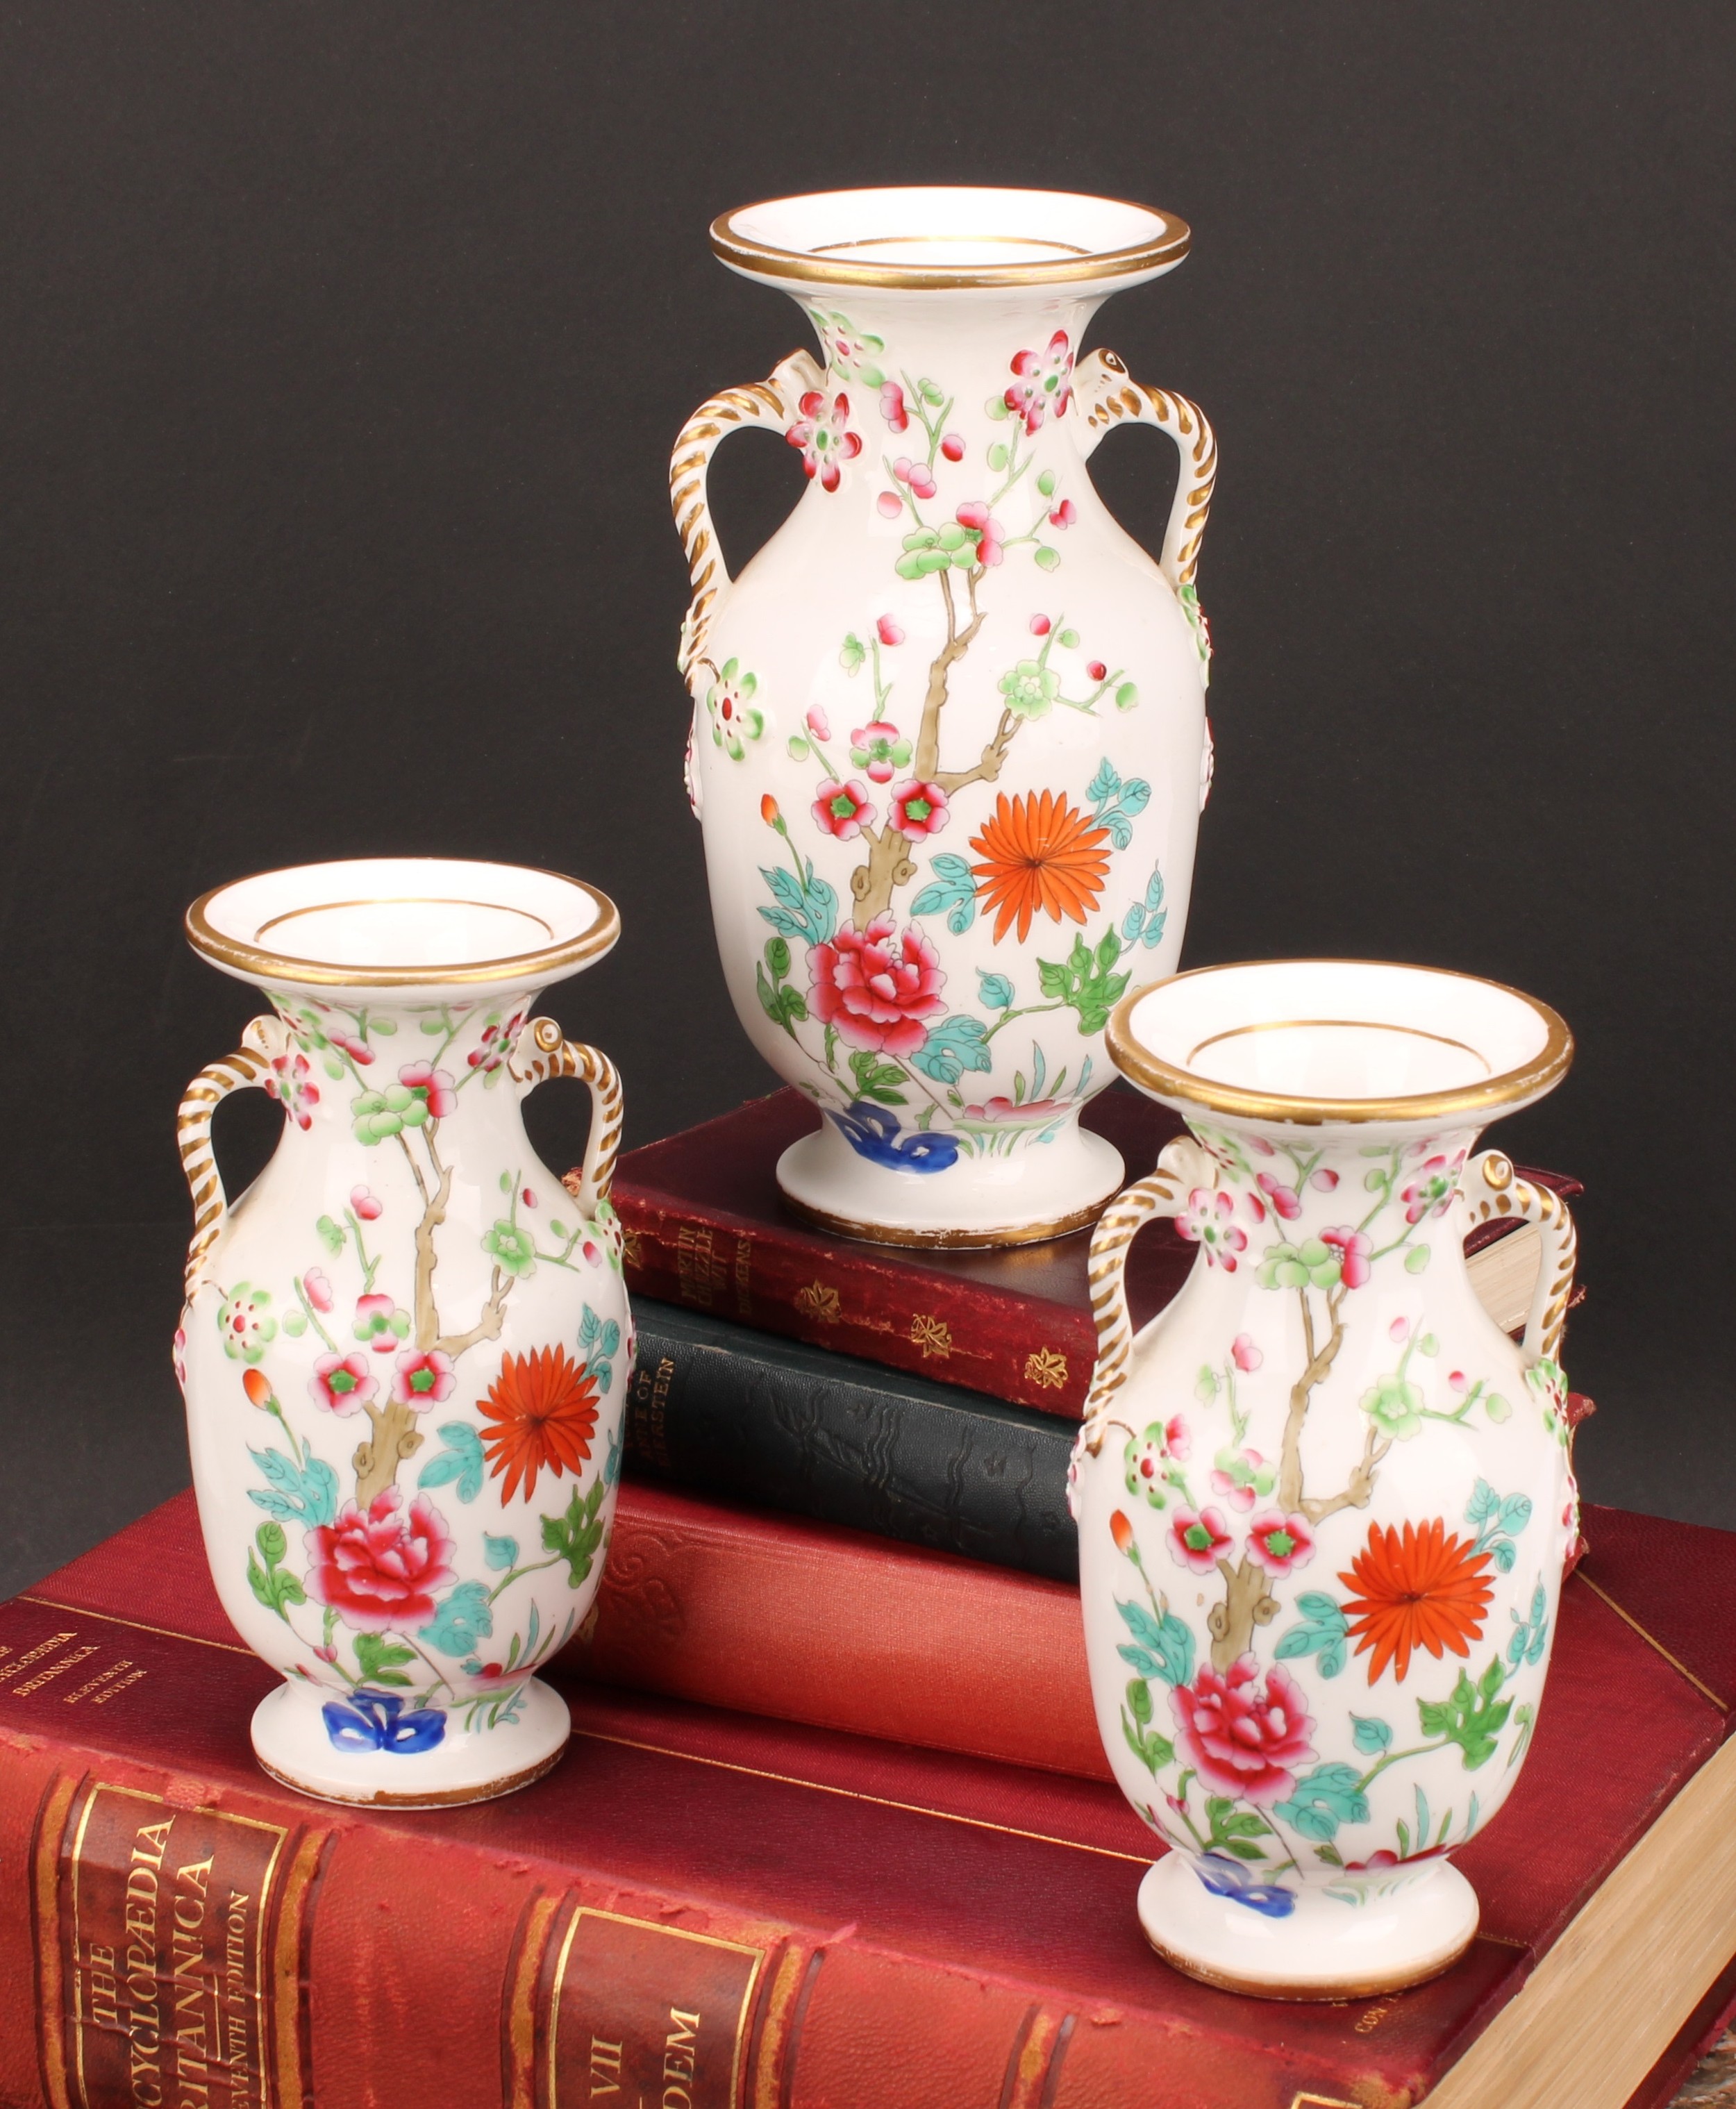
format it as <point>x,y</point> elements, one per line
<point>754,1417</point>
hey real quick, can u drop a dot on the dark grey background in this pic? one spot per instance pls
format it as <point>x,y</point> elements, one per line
<point>343,345</point>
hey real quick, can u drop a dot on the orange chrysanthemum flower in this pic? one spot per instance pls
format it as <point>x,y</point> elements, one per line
<point>1419,1590</point>
<point>1038,853</point>
<point>543,1407</point>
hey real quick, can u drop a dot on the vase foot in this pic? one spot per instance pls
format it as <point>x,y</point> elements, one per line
<point>292,1743</point>
<point>1037,1191</point>
<point>1325,1948</point>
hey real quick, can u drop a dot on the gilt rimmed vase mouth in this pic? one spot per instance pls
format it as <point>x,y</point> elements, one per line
<point>382,923</point>
<point>941,237</point>
<point>1353,1041</point>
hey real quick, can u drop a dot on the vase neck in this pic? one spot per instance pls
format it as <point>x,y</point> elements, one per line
<point>377,1070</point>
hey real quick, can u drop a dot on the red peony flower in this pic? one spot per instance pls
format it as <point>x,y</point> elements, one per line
<point>380,1572</point>
<point>876,987</point>
<point>919,809</point>
<point>1197,1541</point>
<point>843,809</point>
<point>1240,1741</point>
<point>341,1384</point>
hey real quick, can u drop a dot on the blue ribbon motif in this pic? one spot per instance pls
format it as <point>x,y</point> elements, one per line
<point>871,1131</point>
<point>377,1721</point>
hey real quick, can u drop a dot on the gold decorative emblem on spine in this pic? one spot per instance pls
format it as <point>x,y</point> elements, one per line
<point>1046,1367</point>
<point>934,1336</point>
<point>819,1301</point>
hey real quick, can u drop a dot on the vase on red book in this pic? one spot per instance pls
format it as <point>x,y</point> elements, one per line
<point>1324,1501</point>
<point>949,741</point>
<point>401,1345</point>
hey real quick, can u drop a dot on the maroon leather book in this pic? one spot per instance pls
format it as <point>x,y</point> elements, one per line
<point>707,1226</point>
<point>744,1910</point>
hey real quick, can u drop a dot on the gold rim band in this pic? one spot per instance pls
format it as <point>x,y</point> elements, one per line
<point>830,267</point>
<point>259,963</point>
<point>1164,1080</point>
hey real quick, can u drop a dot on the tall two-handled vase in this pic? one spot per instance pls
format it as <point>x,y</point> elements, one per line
<point>405,1347</point>
<point>1323,1503</point>
<point>949,742</point>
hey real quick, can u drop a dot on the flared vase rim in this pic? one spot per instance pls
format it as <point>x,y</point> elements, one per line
<point>580,922</point>
<point>1124,240</point>
<point>1470,1104</point>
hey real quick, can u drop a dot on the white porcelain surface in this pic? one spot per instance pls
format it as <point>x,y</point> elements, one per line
<point>1323,1503</point>
<point>949,742</point>
<point>405,1347</point>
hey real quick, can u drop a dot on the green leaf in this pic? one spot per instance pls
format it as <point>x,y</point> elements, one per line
<point>577,1536</point>
<point>1471,1717</point>
<point>378,1659</point>
<point>1417,1258</point>
<point>1046,485</point>
<point>877,1079</point>
<point>799,748</point>
<point>499,1553</point>
<point>996,407</point>
<point>273,1540</point>
<point>1069,638</point>
<point>1139,1700</point>
<point>1047,558</point>
<point>1495,1406</point>
<point>997,455</point>
<point>1126,695</point>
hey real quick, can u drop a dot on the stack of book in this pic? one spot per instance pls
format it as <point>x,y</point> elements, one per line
<point>836,1827</point>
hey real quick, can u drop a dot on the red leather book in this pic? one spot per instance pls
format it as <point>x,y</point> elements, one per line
<point>701,1908</point>
<point>707,1226</point>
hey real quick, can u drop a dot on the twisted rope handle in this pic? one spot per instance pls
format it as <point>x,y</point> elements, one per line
<point>248,1066</point>
<point>1492,1188</point>
<point>1108,395</point>
<point>1182,1166</point>
<point>772,401</point>
<point>553,1055</point>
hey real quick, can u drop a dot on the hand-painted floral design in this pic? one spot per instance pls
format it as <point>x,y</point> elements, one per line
<point>876,988</point>
<point>1245,1354</point>
<point>434,1087</point>
<point>1278,1542</point>
<point>247,1323</point>
<point>879,750</point>
<point>1198,1541</point>
<point>1039,856</point>
<point>918,809</point>
<point>342,1384</point>
<point>1415,1589</point>
<point>735,721</point>
<point>844,809</point>
<point>542,1411</point>
<point>291,1081</point>
<point>1244,1741</point>
<point>1206,1222</point>
<point>381,1571</point>
<point>1431,1189</point>
<point>1242,1476</point>
<point>381,1323</point>
<point>822,435</point>
<point>1042,382</point>
<point>377,1721</point>
<point>1225,1877</point>
<point>422,1378</point>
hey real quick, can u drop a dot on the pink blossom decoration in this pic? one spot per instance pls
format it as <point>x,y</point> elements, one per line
<point>1285,1201</point>
<point>843,809</point>
<point>342,1384</point>
<point>888,504</point>
<point>1040,625</point>
<point>1398,1329</point>
<point>917,474</point>
<point>818,724</point>
<point>1323,1180</point>
<point>1042,381</point>
<point>1197,1541</point>
<point>1353,1249</point>
<point>380,1322</point>
<point>422,1378</point>
<point>888,631</point>
<point>1432,1191</point>
<point>919,809</point>
<point>529,1198</point>
<point>1098,670</point>
<point>435,1087</point>
<point>365,1202</point>
<point>1064,514</point>
<point>822,434</point>
<point>975,515</point>
<point>880,749</point>
<point>291,1082</point>
<point>876,987</point>
<point>1177,1441</point>
<point>317,1289</point>
<point>1458,1381</point>
<point>953,447</point>
<point>1244,1355</point>
<point>358,1050</point>
<point>1237,1476</point>
<point>1278,1542</point>
<point>892,407</point>
<point>1205,1222</point>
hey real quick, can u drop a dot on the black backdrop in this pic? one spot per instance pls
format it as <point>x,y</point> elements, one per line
<point>343,346</point>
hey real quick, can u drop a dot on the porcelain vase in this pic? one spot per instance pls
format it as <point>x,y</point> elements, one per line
<point>949,743</point>
<point>1323,1503</point>
<point>405,1347</point>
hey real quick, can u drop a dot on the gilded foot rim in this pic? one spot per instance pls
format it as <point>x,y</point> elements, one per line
<point>291,1743</point>
<point>1011,1234</point>
<point>1325,1950</point>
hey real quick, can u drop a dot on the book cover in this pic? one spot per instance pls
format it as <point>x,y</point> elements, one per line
<point>758,1912</point>
<point>707,1228</point>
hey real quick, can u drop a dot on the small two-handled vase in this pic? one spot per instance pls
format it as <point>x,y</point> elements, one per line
<point>404,1348</point>
<point>1323,1503</point>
